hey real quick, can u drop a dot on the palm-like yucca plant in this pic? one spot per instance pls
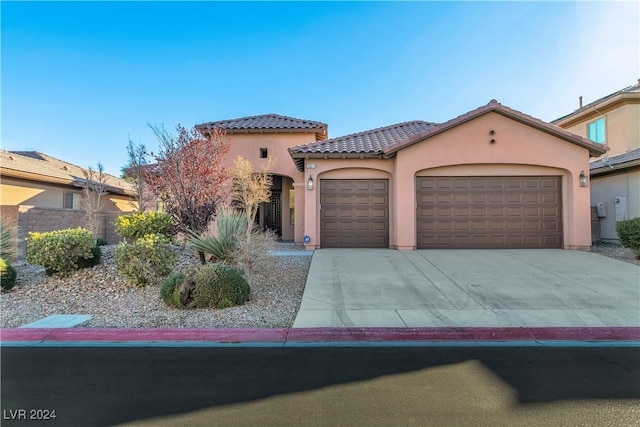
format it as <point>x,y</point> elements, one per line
<point>8,240</point>
<point>230,226</point>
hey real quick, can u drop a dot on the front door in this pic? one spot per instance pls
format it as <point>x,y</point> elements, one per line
<point>273,213</point>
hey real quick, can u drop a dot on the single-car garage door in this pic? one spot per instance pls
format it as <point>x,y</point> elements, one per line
<point>354,213</point>
<point>489,212</point>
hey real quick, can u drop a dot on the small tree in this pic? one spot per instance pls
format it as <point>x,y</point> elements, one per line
<point>250,188</point>
<point>189,177</point>
<point>133,172</point>
<point>94,187</point>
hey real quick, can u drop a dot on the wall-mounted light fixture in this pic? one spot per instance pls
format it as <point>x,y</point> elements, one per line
<point>310,183</point>
<point>584,181</point>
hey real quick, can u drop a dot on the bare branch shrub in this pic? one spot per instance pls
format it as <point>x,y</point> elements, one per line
<point>94,187</point>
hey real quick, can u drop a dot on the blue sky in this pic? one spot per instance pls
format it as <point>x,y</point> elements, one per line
<point>80,79</point>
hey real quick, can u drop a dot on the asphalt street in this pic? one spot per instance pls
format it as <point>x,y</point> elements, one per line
<point>322,386</point>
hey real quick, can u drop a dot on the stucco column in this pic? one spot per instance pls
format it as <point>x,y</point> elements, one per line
<point>579,236</point>
<point>298,233</point>
<point>404,199</point>
<point>311,212</point>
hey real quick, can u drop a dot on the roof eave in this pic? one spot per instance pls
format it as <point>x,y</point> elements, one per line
<point>595,150</point>
<point>13,173</point>
<point>300,157</point>
<point>593,110</point>
<point>320,133</point>
<point>617,168</point>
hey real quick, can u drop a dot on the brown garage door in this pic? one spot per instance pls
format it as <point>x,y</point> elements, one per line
<point>489,212</point>
<point>354,213</point>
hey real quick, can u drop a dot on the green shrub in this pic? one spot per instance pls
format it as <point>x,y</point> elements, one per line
<point>7,275</point>
<point>137,225</point>
<point>61,251</point>
<point>219,286</point>
<point>629,234</point>
<point>231,226</point>
<point>8,240</point>
<point>169,292</point>
<point>93,261</point>
<point>146,259</point>
<point>101,242</point>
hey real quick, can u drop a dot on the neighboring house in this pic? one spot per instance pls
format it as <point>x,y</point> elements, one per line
<point>491,178</point>
<point>42,193</point>
<point>614,122</point>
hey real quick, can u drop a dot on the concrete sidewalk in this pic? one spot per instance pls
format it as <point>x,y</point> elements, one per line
<point>469,288</point>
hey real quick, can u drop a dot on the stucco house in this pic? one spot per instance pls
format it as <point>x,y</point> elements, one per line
<point>257,138</point>
<point>614,122</point>
<point>41,193</point>
<point>491,178</point>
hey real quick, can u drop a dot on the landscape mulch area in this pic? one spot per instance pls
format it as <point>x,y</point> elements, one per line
<point>276,293</point>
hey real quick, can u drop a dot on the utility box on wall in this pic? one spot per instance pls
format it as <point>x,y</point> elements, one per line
<point>620,207</point>
<point>601,209</point>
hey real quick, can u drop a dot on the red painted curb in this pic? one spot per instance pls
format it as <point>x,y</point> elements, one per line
<point>308,335</point>
<point>463,334</point>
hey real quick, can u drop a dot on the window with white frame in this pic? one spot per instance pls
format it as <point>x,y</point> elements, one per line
<point>67,202</point>
<point>596,131</point>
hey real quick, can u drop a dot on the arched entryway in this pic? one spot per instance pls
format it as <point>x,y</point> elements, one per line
<point>278,214</point>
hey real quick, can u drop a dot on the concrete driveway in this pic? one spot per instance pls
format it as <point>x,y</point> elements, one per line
<point>489,288</point>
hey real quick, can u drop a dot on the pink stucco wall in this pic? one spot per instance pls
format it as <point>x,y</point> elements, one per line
<point>248,145</point>
<point>466,150</point>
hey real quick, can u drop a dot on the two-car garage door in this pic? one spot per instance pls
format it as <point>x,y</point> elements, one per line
<point>451,212</point>
<point>489,212</point>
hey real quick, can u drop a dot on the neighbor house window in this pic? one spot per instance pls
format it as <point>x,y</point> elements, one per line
<point>264,153</point>
<point>68,201</point>
<point>596,131</point>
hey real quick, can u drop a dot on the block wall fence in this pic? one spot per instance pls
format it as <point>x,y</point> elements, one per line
<point>33,219</point>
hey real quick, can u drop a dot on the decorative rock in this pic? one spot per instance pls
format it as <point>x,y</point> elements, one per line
<point>274,301</point>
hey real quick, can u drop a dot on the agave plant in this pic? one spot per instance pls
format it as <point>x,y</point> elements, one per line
<point>8,240</point>
<point>230,226</point>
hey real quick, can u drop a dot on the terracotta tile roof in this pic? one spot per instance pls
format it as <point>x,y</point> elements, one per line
<point>496,107</point>
<point>268,122</point>
<point>622,161</point>
<point>370,141</point>
<point>37,166</point>
<point>388,140</point>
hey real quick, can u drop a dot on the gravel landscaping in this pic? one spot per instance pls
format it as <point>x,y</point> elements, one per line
<point>100,292</point>
<point>616,251</point>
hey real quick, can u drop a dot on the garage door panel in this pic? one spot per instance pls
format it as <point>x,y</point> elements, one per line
<point>478,198</point>
<point>461,226</point>
<point>532,212</point>
<point>330,213</point>
<point>491,212</point>
<point>330,186</point>
<point>514,198</point>
<point>354,213</point>
<point>514,212</point>
<point>532,198</point>
<point>514,226</point>
<point>550,212</point>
